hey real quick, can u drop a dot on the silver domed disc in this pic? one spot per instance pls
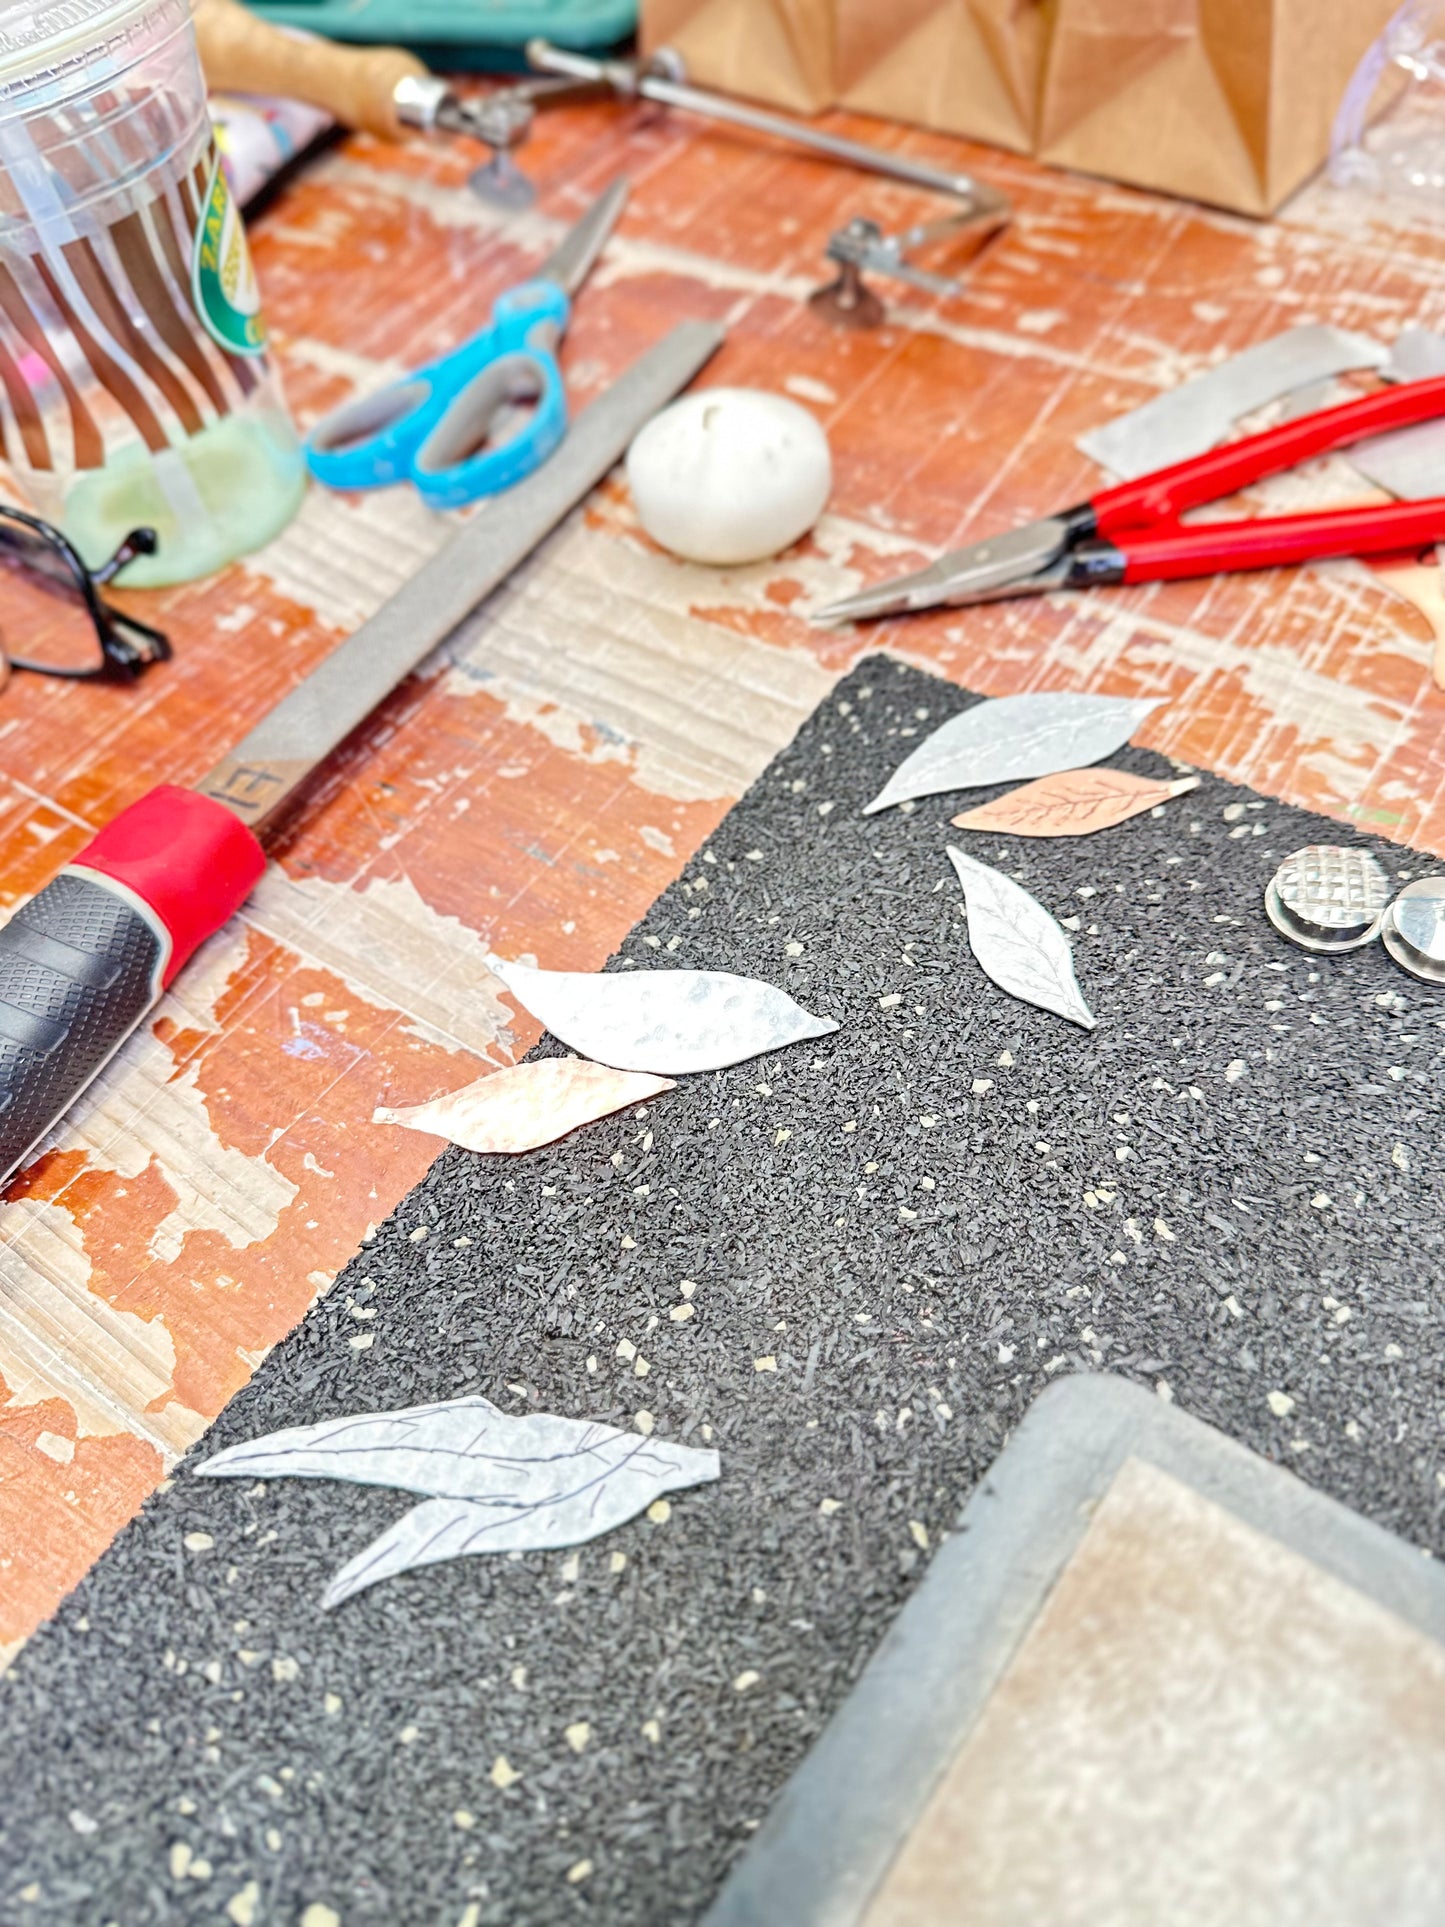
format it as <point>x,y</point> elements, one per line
<point>1414,929</point>
<point>1328,898</point>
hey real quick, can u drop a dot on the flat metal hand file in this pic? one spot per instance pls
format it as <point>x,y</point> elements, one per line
<point>84,961</point>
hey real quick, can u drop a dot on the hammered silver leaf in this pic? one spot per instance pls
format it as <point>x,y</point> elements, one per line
<point>666,1021</point>
<point>1010,739</point>
<point>1017,943</point>
<point>499,1482</point>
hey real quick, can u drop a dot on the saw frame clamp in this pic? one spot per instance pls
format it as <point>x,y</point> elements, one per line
<point>862,246</point>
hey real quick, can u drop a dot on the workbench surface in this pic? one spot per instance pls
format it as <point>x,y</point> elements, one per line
<point>552,770</point>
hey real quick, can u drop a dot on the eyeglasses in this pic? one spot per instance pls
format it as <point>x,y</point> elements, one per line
<point>51,607</point>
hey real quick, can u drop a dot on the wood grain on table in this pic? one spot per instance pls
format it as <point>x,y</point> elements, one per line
<point>551,770</point>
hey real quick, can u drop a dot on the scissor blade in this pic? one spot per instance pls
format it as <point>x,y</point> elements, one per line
<point>579,248</point>
<point>1002,565</point>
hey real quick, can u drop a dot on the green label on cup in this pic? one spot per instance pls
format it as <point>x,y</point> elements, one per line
<point>223,282</point>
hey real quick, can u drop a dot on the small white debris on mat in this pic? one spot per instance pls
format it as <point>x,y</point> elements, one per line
<point>577,1735</point>
<point>503,1773</point>
<point>918,1533</point>
<point>198,1542</point>
<point>746,1681</point>
<point>829,1506</point>
<point>766,1364</point>
<point>579,1871</point>
<point>659,1512</point>
<point>497,1482</point>
<point>527,1105</point>
<point>652,1732</point>
<point>1280,1403</point>
<point>241,1907</point>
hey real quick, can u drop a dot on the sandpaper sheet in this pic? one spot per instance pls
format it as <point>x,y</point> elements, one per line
<point>1228,1193</point>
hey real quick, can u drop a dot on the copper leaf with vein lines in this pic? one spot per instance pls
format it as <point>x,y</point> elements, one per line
<point>1072,802</point>
<point>1017,942</point>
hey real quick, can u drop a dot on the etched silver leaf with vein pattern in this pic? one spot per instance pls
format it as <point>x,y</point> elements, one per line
<point>497,1481</point>
<point>1017,942</point>
<point>667,1021</point>
<point>1010,739</point>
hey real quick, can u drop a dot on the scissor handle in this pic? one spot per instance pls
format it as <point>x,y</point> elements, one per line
<point>1269,541</point>
<point>1166,494</point>
<point>379,439</point>
<point>502,423</point>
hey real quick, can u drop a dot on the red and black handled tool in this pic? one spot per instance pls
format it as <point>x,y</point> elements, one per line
<point>1132,533</point>
<point>83,962</point>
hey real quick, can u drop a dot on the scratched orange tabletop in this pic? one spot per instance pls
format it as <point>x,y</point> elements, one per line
<point>552,769</point>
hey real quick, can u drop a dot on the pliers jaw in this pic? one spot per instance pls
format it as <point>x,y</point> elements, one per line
<point>1027,561</point>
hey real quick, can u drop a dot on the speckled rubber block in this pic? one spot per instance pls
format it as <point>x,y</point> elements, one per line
<point>1150,1678</point>
<point>899,1234</point>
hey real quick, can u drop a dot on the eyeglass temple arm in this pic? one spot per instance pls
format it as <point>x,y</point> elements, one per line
<point>139,542</point>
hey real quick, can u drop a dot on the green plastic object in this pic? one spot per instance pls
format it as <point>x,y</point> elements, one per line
<point>483,34</point>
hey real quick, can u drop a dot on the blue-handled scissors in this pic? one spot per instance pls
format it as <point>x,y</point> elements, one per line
<point>478,420</point>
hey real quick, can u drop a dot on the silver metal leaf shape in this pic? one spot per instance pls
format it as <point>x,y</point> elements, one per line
<point>1010,739</point>
<point>1017,943</point>
<point>667,1021</point>
<point>527,1105</point>
<point>497,1482</point>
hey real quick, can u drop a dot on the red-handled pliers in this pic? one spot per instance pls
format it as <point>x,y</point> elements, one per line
<point>1132,533</point>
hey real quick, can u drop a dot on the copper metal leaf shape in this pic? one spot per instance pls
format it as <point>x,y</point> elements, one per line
<point>668,1021</point>
<point>1072,802</point>
<point>496,1481</point>
<point>1017,942</point>
<point>1014,737</point>
<point>527,1105</point>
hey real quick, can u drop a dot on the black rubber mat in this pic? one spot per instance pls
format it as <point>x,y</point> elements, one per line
<point>1229,1191</point>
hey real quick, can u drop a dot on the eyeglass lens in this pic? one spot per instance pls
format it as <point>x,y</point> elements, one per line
<point>44,615</point>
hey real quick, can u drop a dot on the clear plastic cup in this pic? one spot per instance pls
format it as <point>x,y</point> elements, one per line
<point>134,382</point>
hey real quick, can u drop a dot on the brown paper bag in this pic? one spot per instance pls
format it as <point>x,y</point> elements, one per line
<point>1225,101</point>
<point>970,67</point>
<point>780,51</point>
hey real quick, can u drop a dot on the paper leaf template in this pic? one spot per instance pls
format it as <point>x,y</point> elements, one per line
<point>527,1105</point>
<point>1014,737</point>
<point>497,1481</point>
<point>667,1021</point>
<point>1074,802</point>
<point>1017,942</point>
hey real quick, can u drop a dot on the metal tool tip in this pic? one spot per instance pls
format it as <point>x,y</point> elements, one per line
<point>857,608</point>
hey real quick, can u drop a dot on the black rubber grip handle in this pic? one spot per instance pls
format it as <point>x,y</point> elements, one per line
<point>79,968</point>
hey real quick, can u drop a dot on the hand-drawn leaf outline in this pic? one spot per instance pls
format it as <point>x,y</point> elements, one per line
<point>1008,738</point>
<point>1017,943</point>
<point>668,1021</point>
<point>500,1482</point>
<point>1072,802</point>
<point>527,1105</point>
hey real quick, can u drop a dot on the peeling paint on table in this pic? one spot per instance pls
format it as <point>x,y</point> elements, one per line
<point>535,786</point>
